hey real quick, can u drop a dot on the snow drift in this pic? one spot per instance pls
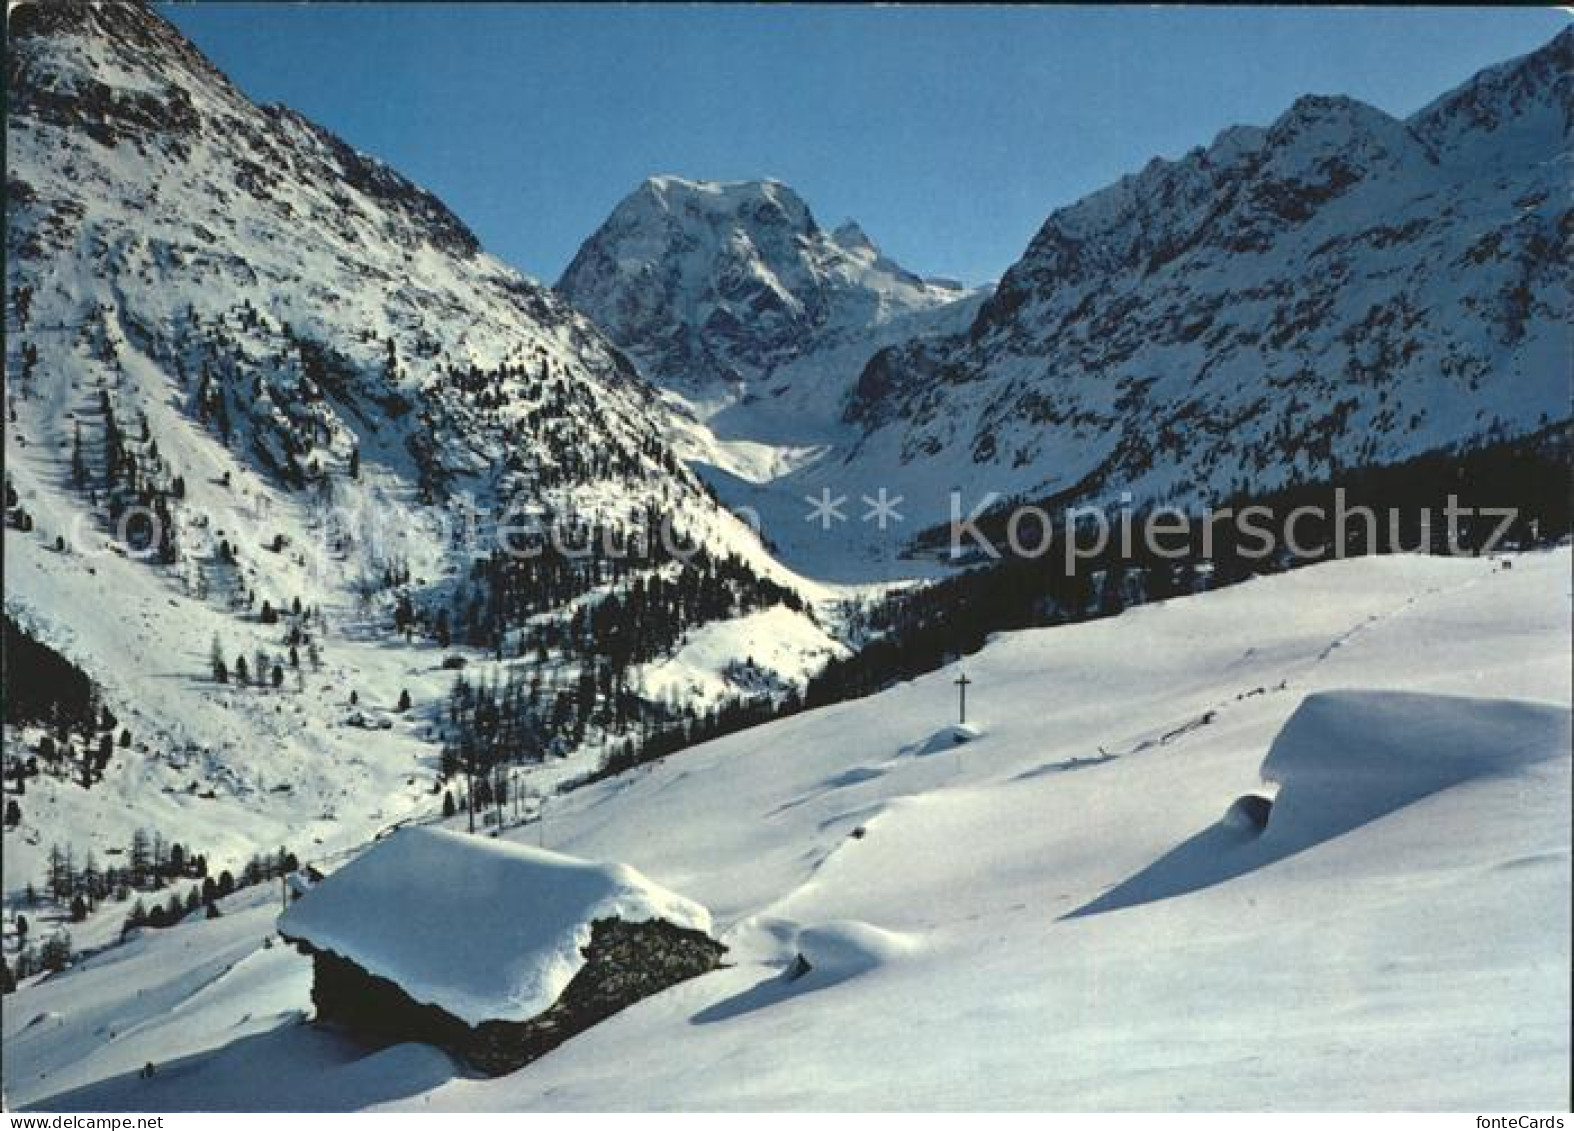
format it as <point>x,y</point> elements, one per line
<point>1349,757</point>
<point>1344,759</point>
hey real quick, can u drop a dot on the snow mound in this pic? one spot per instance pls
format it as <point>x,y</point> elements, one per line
<point>946,738</point>
<point>843,949</point>
<point>480,928</point>
<point>1344,760</point>
<point>1348,757</point>
<point>824,955</point>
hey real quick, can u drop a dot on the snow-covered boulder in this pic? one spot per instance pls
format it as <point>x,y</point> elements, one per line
<point>496,951</point>
<point>1344,760</point>
<point>1348,757</point>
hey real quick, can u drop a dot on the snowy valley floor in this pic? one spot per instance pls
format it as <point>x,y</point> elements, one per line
<point>1056,914</point>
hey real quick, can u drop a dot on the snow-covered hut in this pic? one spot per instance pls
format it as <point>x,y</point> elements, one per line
<point>495,951</point>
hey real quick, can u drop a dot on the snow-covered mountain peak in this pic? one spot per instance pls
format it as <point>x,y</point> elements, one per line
<point>56,44</point>
<point>1318,128</point>
<point>850,236</point>
<point>1233,143</point>
<point>759,204</point>
<point>119,73</point>
<point>713,284</point>
<point>1524,102</point>
<point>1315,150</point>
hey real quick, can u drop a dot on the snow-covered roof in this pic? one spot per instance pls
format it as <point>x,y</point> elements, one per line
<point>483,929</point>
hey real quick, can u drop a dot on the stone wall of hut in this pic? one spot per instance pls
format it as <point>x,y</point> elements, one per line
<point>624,963</point>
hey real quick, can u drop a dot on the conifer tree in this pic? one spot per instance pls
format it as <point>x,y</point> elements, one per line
<point>78,460</point>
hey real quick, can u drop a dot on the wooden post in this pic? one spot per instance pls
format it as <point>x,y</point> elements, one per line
<point>962,684</point>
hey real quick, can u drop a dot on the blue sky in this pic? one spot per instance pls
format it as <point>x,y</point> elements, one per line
<point>949,133</point>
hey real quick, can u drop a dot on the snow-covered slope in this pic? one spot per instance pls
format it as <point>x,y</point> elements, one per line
<point>223,313</point>
<point>1396,936</point>
<point>1341,288</point>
